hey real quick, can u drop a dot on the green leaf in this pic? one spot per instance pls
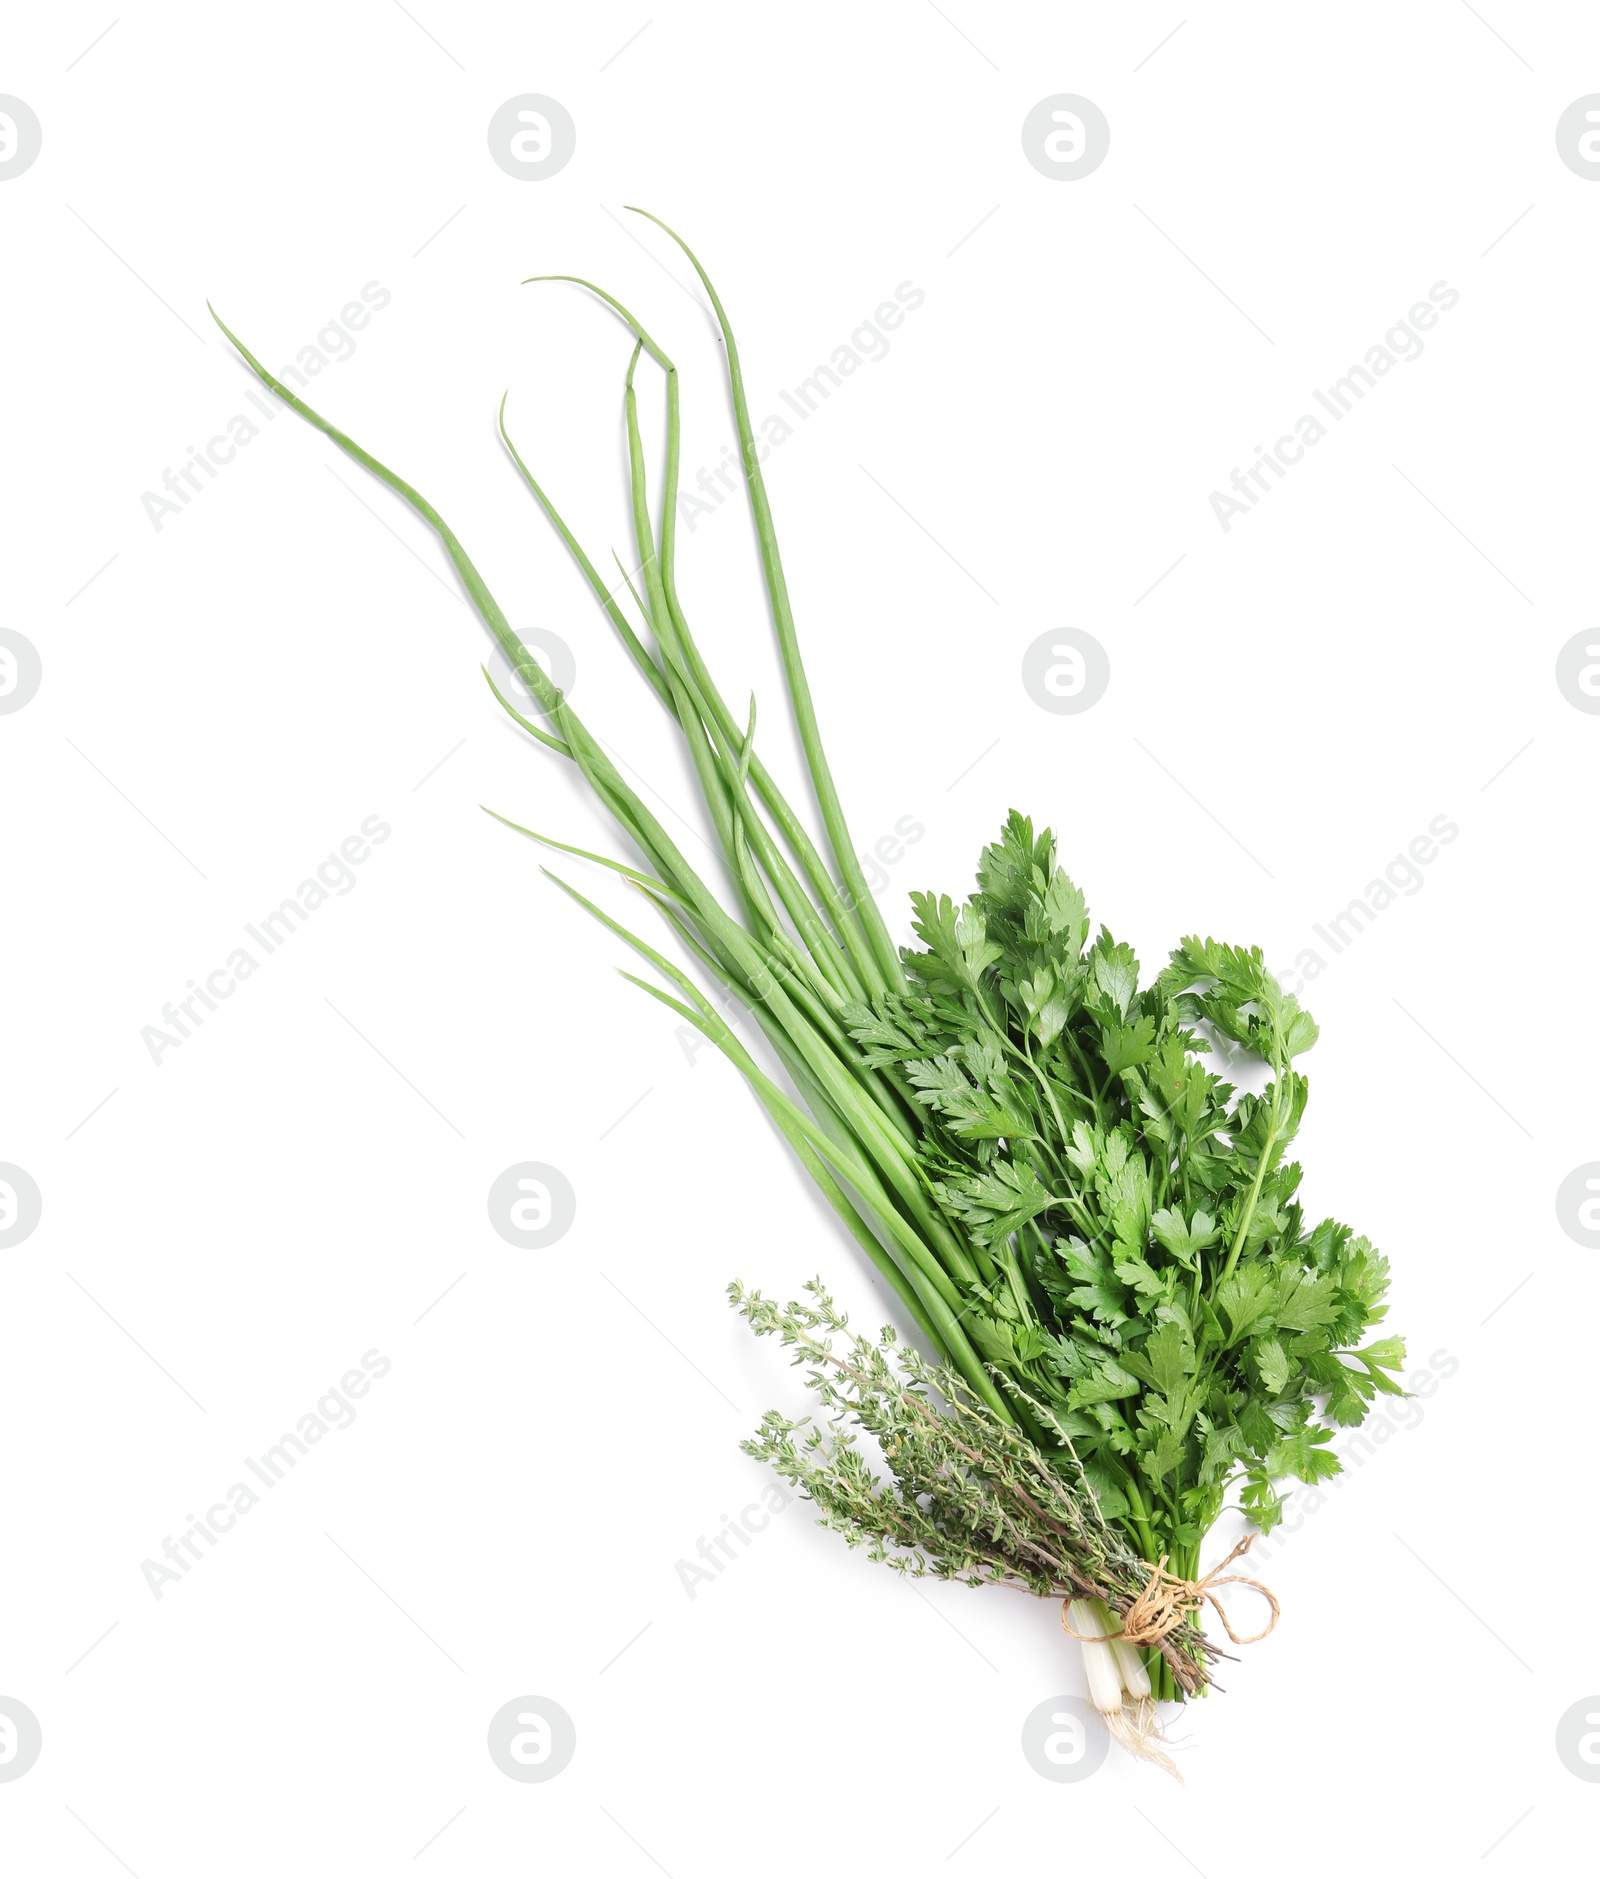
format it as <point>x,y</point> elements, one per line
<point>1306,1302</point>
<point>1299,1030</point>
<point>1006,868</point>
<point>978,952</point>
<point>1067,914</point>
<point>885,1036</point>
<point>1246,1298</point>
<point>1116,973</point>
<point>1271,1363</point>
<point>997,1202</point>
<point>959,950</point>
<point>1124,1186</point>
<point>993,1338</point>
<point>1106,1480</point>
<point>1350,1394</point>
<point>1185,1240</point>
<point>1387,1354</point>
<point>1045,991</point>
<point>1124,1047</point>
<point>1108,1383</point>
<point>1159,1461</point>
<point>941,1083</point>
<point>1083,1151</point>
<point>1133,1271</point>
<point>1222,1448</point>
<point>1257,1428</point>
<point>1169,1355</point>
<point>1305,1455</point>
<point>1099,1292</point>
<point>1181,1086</point>
<point>934,923</point>
<point>1031,1340</point>
<point>1261,1503</point>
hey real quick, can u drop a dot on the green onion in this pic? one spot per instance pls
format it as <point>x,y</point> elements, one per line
<point>806,937</point>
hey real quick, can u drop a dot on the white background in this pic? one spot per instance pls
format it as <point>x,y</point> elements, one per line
<point>230,695</point>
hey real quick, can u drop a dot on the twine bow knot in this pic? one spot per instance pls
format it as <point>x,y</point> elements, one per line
<point>1167,1601</point>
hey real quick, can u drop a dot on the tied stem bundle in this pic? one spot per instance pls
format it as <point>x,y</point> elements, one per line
<point>1167,1601</point>
<point>1119,1680</point>
<point>1093,1236</point>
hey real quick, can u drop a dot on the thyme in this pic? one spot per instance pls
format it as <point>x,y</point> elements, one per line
<point>964,1496</point>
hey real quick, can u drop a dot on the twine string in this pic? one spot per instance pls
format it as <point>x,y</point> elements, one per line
<point>1167,1601</point>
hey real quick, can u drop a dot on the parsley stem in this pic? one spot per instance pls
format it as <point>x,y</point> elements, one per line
<point>1255,1185</point>
<point>1141,1519</point>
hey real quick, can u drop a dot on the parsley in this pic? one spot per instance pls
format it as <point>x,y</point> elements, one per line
<point>1192,1333</point>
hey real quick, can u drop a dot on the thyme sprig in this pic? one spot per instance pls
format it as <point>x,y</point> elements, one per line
<point>965,1496</point>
